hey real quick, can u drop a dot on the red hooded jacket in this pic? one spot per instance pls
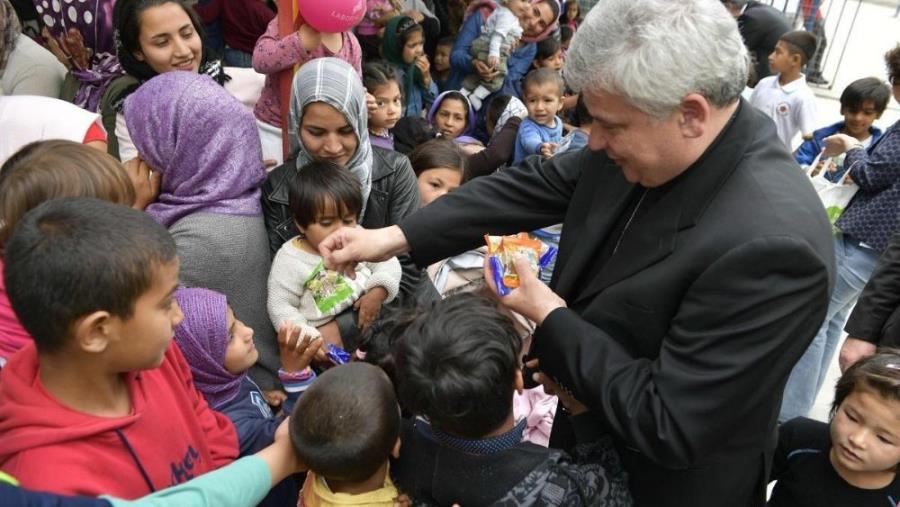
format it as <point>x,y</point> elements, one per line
<point>170,437</point>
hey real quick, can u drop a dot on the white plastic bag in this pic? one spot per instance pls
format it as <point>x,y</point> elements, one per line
<point>835,196</point>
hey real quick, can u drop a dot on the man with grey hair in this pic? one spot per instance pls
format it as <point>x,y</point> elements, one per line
<point>761,26</point>
<point>695,261</point>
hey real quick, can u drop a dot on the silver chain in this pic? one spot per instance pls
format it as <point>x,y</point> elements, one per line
<point>628,223</point>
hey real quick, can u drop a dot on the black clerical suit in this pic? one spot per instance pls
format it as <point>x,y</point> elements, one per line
<point>682,340</point>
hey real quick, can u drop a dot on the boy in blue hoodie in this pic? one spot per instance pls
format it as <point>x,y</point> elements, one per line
<point>862,102</point>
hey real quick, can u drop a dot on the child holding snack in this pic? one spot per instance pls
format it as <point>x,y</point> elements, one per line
<point>854,459</point>
<point>323,198</point>
<point>541,132</point>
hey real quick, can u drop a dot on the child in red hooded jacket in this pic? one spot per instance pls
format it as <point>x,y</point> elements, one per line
<point>102,402</point>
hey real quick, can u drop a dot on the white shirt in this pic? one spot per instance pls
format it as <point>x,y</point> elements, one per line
<point>503,28</point>
<point>792,107</point>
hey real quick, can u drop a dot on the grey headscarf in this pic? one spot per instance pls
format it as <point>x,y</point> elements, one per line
<point>335,83</point>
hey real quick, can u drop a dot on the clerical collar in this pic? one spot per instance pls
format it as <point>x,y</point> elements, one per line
<point>481,446</point>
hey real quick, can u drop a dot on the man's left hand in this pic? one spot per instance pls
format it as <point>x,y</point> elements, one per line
<point>532,298</point>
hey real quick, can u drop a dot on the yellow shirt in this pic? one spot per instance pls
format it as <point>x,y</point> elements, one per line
<point>316,493</point>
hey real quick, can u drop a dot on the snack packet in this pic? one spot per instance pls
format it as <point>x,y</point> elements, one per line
<point>336,354</point>
<point>503,249</point>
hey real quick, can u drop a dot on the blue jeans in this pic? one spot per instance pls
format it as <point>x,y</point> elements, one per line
<point>854,265</point>
<point>236,58</point>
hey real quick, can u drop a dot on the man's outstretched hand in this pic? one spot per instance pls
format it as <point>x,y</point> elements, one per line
<point>346,247</point>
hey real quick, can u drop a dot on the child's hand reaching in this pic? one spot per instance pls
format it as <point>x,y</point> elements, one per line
<point>369,306</point>
<point>548,149</point>
<point>493,62</point>
<point>297,345</point>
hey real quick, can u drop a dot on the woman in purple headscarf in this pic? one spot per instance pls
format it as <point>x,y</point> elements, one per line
<point>205,145</point>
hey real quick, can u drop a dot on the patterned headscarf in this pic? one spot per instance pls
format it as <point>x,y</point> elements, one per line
<point>203,339</point>
<point>88,26</point>
<point>9,31</point>
<point>334,82</point>
<point>203,142</point>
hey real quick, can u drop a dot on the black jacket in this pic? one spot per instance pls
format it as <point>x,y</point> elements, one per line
<point>876,316</point>
<point>761,26</point>
<point>394,195</point>
<point>682,342</point>
<point>526,474</point>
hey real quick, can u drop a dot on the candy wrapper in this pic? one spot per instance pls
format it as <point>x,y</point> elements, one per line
<point>503,249</point>
<point>336,354</point>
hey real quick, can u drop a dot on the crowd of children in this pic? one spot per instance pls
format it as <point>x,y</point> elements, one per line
<point>170,334</point>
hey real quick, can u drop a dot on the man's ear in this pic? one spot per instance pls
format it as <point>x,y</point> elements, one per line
<point>94,332</point>
<point>694,115</point>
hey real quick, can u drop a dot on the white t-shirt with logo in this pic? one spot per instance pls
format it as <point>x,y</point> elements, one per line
<point>792,107</point>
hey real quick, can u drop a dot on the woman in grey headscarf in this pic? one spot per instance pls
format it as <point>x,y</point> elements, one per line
<point>328,122</point>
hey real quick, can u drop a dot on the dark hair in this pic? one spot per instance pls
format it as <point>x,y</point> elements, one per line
<point>538,77</point>
<point>379,73</point>
<point>554,8</point>
<point>565,33</point>
<point>127,21</point>
<point>495,108</point>
<point>405,31</point>
<point>547,48</point>
<point>800,42</point>
<point>457,96</point>
<point>344,426</point>
<point>580,115</point>
<point>456,365</point>
<point>72,256</point>
<point>448,40</point>
<point>866,89</point>
<point>410,132</point>
<point>318,183</point>
<point>438,152</point>
<point>879,373</point>
<point>45,170</point>
<point>564,15</point>
<point>380,340</point>
<point>892,59</point>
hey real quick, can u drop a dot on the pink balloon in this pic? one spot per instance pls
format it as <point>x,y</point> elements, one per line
<point>332,16</point>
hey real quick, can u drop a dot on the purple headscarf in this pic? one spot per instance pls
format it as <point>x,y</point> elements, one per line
<point>203,339</point>
<point>203,142</point>
<point>470,119</point>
